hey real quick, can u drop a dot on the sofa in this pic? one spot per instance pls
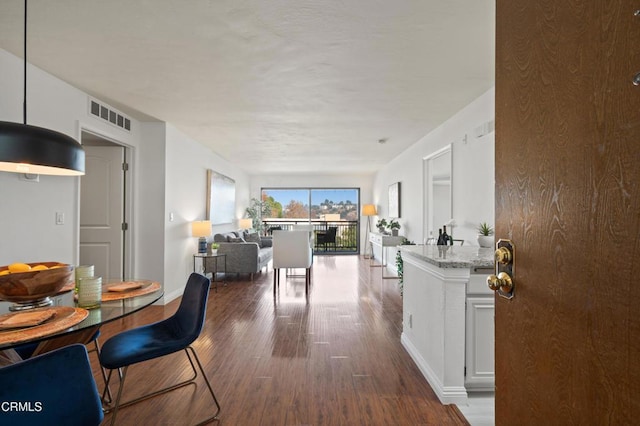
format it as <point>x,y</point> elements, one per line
<point>247,252</point>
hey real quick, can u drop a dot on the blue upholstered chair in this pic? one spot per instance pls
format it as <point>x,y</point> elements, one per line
<point>56,388</point>
<point>26,351</point>
<point>159,339</point>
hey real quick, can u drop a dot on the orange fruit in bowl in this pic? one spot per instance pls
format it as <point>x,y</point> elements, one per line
<point>18,267</point>
<point>39,268</point>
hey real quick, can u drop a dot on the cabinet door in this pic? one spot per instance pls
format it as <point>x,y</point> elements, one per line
<point>480,371</point>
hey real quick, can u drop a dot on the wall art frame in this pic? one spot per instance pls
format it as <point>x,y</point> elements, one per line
<point>394,200</point>
<point>221,198</point>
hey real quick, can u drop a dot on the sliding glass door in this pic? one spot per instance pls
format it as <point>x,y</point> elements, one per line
<point>332,212</point>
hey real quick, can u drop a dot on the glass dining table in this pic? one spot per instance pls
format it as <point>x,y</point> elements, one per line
<point>67,323</point>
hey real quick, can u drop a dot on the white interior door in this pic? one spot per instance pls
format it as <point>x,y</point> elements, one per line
<point>102,211</point>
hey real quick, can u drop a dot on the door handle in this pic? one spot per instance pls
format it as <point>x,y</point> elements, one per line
<point>502,281</point>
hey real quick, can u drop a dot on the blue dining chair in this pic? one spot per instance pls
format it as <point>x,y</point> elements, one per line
<point>26,351</point>
<point>55,388</point>
<point>165,337</point>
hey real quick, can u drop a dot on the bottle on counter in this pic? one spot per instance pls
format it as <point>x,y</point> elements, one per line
<point>441,240</point>
<point>446,239</point>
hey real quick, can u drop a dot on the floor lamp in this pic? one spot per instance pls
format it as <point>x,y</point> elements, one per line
<point>368,210</point>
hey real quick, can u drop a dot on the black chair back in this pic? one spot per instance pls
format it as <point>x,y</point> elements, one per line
<point>331,234</point>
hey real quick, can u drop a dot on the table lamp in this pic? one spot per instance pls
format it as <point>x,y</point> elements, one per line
<point>245,223</point>
<point>201,229</point>
<point>368,210</point>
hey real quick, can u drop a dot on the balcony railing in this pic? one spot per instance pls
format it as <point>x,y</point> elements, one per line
<point>347,234</point>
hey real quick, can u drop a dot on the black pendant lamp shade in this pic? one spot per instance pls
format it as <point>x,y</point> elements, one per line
<point>36,150</point>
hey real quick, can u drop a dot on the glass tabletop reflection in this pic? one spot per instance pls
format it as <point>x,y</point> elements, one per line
<point>107,311</point>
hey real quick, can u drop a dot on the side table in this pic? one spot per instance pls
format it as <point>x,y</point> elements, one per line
<point>383,241</point>
<point>216,257</point>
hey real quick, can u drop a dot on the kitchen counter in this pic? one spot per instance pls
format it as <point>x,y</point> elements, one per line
<point>452,256</point>
<point>448,318</point>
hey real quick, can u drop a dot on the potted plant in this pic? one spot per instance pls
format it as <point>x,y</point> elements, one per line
<point>400,264</point>
<point>214,248</point>
<point>256,211</point>
<point>485,235</point>
<point>394,226</point>
<point>381,224</point>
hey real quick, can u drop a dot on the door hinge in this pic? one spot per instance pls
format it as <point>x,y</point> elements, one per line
<point>465,371</point>
<point>125,226</point>
<point>125,166</point>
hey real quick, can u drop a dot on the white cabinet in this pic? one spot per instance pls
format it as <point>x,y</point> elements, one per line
<point>448,320</point>
<point>479,330</point>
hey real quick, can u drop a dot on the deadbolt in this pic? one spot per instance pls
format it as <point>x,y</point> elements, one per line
<point>503,280</point>
<point>500,282</point>
<point>503,255</point>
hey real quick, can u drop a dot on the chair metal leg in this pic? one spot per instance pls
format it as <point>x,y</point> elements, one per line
<point>213,395</point>
<point>107,390</point>
<point>275,280</point>
<point>123,374</point>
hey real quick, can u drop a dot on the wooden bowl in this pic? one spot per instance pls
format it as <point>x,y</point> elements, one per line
<point>34,285</point>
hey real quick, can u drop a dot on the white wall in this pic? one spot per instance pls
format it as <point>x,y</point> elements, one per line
<point>473,173</point>
<point>185,184</point>
<point>148,173</point>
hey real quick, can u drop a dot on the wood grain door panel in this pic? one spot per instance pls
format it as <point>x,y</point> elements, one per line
<point>567,194</point>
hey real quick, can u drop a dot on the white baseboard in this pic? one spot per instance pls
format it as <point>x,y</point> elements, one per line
<point>446,394</point>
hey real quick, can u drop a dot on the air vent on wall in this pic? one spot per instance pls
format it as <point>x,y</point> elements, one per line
<point>485,129</point>
<point>109,114</point>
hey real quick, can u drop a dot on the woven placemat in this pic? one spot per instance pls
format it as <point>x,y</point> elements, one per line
<point>63,318</point>
<point>147,287</point>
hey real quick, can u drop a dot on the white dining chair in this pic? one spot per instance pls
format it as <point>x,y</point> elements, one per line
<point>291,249</point>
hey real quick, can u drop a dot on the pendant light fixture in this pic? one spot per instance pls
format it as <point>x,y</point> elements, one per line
<point>36,150</point>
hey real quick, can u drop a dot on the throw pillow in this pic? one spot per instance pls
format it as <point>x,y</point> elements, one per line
<point>236,240</point>
<point>253,237</point>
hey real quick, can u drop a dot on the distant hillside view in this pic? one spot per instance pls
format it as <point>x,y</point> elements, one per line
<point>326,204</point>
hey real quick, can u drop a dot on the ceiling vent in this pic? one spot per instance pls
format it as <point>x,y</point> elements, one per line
<point>108,114</point>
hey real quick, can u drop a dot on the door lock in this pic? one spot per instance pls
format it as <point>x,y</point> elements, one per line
<point>502,281</point>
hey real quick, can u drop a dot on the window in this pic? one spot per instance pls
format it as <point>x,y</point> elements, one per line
<point>324,207</point>
<point>313,203</point>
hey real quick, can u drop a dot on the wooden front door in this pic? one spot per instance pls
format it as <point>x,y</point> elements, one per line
<point>568,196</point>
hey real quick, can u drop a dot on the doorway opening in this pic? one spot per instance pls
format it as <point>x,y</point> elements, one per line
<point>104,210</point>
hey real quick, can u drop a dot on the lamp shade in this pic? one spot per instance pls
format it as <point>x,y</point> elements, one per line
<point>35,150</point>
<point>369,210</point>
<point>201,228</point>
<point>245,223</point>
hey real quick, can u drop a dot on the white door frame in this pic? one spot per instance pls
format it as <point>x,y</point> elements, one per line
<point>128,199</point>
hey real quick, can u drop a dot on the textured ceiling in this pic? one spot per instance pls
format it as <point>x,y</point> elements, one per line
<point>273,86</point>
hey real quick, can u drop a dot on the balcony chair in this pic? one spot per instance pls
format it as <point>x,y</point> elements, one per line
<point>274,228</point>
<point>162,338</point>
<point>53,388</point>
<point>327,237</point>
<point>292,249</point>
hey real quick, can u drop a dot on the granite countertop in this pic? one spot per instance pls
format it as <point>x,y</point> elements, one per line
<point>452,256</point>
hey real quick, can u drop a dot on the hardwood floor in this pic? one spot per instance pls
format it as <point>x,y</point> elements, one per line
<point>332,359</point>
